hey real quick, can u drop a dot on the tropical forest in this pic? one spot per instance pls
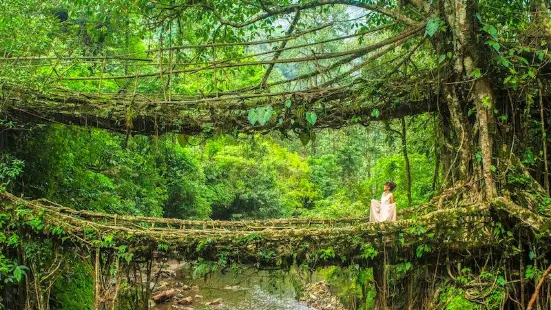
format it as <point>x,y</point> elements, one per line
<point>275,154</point>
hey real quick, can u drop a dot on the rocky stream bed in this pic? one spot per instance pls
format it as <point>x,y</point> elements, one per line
<point>175,288</point>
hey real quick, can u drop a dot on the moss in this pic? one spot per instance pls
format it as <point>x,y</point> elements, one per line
<point>460,303</point>
<point>454,299</point>
<point>75,289</point>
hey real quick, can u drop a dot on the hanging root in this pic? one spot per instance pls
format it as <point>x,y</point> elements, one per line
<point>538,287</point>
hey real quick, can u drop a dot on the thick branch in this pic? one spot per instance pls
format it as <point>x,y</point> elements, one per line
<point>281,46</point>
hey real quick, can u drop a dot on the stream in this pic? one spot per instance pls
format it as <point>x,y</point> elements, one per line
<point>237,291</point>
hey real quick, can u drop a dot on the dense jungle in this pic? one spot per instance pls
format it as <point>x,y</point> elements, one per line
<point>222,154</point>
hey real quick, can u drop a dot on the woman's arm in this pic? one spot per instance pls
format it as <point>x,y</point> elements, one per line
<point>391,200</point>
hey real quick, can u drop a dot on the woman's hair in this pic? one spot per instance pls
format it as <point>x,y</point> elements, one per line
<point>391,185</point>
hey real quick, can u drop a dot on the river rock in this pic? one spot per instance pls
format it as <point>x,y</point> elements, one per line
<point>319,296</point>
<point>181,307</point>
<point>215,302</point>
<point>162,286</point>
<point>185,301</point>
<point>166,274</point>
<point>165,296</point>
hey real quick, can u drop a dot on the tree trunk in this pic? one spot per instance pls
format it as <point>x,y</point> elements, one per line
<point>460,126</point>
<point>468,64</point>
<point>484,102</point>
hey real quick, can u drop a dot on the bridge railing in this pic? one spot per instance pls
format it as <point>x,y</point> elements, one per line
<point>249,225</point>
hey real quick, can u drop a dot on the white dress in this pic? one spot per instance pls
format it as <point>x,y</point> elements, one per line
<point>383,210</point>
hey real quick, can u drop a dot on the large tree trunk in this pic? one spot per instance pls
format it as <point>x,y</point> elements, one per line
<point>461,95</point>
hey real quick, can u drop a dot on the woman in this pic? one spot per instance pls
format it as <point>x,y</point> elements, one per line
<point>384,210</point>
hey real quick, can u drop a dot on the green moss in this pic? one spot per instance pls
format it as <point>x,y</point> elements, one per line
<point>453,298</point>
<point>75,289</point>
<point>460,303</point>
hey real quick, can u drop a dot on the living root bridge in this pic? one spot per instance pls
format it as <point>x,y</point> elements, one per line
<point>145,114</point>
<point>122,249</point>
<point>275,243</point>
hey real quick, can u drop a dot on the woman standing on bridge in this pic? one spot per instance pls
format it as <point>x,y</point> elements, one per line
<point>384,210</point>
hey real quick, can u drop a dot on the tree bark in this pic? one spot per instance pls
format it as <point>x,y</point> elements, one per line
<point>469,63</point>
<point>484,108</point>
<point>459,125</point>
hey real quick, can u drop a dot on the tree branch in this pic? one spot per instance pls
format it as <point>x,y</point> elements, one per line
<point>358,52</point>
<point>281,47</point>
<point>259,42</point>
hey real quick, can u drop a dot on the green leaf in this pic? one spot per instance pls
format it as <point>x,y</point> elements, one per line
<point>288,103</point>
<point>478,157</point>
<point>260,115</point>
<point>421,249</point>
<point>491,30</point>
<point>432,26</point>
<point>19,272</point>
<point>369,252</point>
<point>524,60</point>
<point>162,246</point>
<point>375,113</point>
<point>494,45</point>
<point>266,115</point>
<point>476,73</point>
<point>530,272</point>
<point>304,138</point>
<point>311,118</point>
<point>260,111</point>
<point>504,62</point>
<point>13,240</point>
<point>441,58</point>
<point>253,116</point>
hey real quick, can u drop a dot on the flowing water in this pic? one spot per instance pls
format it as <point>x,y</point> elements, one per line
<point>244,291</point>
